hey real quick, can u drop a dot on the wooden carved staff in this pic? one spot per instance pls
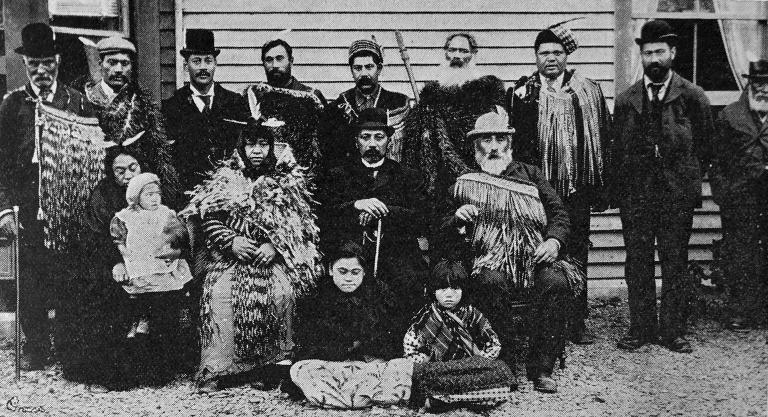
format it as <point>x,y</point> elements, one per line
<point>407,61</point>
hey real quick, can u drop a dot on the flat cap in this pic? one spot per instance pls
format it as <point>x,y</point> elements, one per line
<point>115,44</point>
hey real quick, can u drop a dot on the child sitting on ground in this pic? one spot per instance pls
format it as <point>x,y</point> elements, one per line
<point>149,236</point>
<point>454,347</point>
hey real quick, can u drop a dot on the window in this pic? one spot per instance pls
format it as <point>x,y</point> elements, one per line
<point>701,55</point>
<point>90,17</point>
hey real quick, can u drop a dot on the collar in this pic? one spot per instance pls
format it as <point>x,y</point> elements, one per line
<point>361,98</point>
<point>374,165</point>
<point>665,85</point>
<point>36,89</point>
<point>107,89</point>
<point>558,81</point>
<point>197,93</point>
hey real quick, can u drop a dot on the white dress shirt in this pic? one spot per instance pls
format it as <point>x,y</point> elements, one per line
<point>198,101</point>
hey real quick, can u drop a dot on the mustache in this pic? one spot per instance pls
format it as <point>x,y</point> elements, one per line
<point>365,80</point>
<point>203,72</point>
<point>372,153</point>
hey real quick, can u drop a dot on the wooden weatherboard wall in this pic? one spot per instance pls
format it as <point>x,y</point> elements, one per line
<point>321,32</point>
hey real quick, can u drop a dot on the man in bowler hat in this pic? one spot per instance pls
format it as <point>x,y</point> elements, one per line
<point>739,179</point>
<point>661,147</point>
<point>41,269</point>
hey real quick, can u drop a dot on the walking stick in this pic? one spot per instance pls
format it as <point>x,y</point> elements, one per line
<point>407,61</point>
<point>17,338</point>
<point>378,248</point>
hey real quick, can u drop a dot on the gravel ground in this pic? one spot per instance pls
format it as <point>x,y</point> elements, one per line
<point>727,375</point>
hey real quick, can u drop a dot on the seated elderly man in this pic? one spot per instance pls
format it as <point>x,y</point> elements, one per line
<point>509,225</point>
<point>369,189</point>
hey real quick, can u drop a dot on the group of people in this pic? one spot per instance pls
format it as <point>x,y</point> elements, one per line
<point>370,249</point>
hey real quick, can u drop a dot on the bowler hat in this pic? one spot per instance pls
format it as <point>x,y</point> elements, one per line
<point>757,69</point>
<point>657,31</point>
<point>199,41</point>
<point>37,41</point>
<point>494,122</point>
<point>374,118</point>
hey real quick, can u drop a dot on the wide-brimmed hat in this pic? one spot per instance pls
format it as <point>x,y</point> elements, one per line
<point>199,41</point>
<point>657,31</point>
<point>495,122</point>
<point>37,41</point>
<point>757,70</point>
<point>374,118</point>
<point>115,44</point>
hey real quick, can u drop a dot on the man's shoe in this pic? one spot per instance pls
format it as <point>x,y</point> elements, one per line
<point>678,344</point>
<point>739,325</point>
<point>632,342</point>
<point>545,384</point>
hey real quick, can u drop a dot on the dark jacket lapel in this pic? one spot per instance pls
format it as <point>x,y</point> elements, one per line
<point>740,117</point>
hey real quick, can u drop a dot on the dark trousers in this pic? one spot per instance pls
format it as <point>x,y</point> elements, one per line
<point>743,251</point>
<point>668,222</point>
<point>578,207</point>
<point>40,274</point>
<point>552,301</point>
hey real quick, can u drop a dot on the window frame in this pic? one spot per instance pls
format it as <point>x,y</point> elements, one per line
<point>125,25</point>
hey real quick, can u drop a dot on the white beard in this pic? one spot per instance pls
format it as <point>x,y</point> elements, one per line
<point>760,106</point>
<point>493,166</point>
<point>449,75</point>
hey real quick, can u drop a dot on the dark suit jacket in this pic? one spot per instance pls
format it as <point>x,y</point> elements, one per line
<point>18,175</point>
<point>202,140</point>
<point>401,189</point>
<point>685,147</point>
<point>741,153</point>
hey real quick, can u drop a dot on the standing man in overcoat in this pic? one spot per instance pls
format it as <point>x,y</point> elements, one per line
<point>663,136</point>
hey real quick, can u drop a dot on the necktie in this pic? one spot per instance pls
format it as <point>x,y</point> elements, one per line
<point>655,89</point>
<point>206,102</point>
<point>45,95</point>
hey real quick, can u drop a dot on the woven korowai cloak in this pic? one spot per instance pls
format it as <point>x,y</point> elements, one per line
<point>509,227</point>
<point>300,110</point>
<point>71,155</point>
<point>274,207</point>
<point>436,130</point>
<point>134,121</point>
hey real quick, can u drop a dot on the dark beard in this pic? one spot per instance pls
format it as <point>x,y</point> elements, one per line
<point>277,77</point>
<point>657,73</point>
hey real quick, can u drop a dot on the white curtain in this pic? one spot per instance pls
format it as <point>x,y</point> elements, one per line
<point>639,6</point>
<point>744,39</point>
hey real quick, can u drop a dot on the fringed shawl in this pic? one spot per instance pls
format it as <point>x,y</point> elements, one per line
<point>562,114</point>
<point>71,164</point>
<point>274,207</point>
<point>442,332</point>
<point>509,224</point>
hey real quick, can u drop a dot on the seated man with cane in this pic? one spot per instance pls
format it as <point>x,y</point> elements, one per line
<point>372,199</point>
<point>507,222</point>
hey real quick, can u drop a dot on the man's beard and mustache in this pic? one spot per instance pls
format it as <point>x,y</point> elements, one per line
<point>372,156</point>
<point>278,77</point>
<point>118,80</point>
<point>365,84</point>
<point>657,72</point>
<point>453,75</point>
<point>203,73</point>
<point>494,162</point>
<point>758,101</point>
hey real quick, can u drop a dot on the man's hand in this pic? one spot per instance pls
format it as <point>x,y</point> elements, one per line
<point>120,274</point>
<point>547,251</point>
<point>8,227</point>
<point>243,248</point>
<point>372,206</point>
<point>265,254</point>
<point>467,213</point>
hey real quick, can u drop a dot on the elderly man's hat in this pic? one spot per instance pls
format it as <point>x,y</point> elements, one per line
<point>494,122</point>
<point>366,46</point>
<point>558,33</point>
<point>199,41</point>
<point>374,118</point>
<point>115,44</point>
<point>758,70</point>
<point>37,41</point>
<point>657,31</point>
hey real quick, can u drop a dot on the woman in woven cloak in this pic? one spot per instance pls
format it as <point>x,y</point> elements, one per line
<point>261,254</point>
<point>93,316</point>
